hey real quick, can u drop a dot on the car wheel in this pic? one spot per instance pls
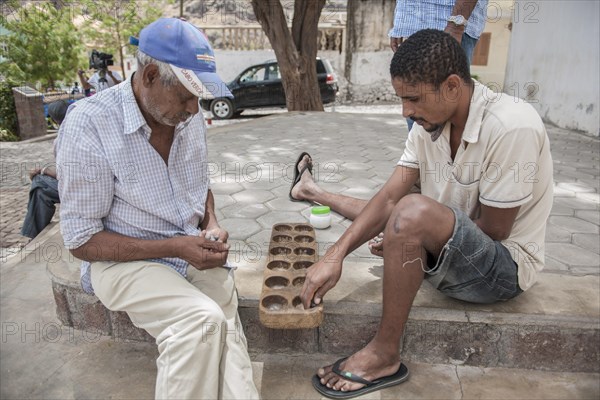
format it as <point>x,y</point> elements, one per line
<point>221,108</point>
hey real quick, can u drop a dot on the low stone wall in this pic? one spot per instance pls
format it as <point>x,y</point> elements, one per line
<point>433,335</point>
<point>83,311</point>
<point>374,93</point>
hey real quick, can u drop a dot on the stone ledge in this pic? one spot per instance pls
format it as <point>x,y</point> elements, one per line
<point>444,336</point>
<point>83,311</point>
<point>439,330</point>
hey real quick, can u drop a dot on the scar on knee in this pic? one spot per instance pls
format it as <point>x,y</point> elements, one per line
<point>418,262</point>
<point>397,224</point>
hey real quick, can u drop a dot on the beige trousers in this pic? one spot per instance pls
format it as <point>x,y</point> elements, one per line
<point>202,348</point>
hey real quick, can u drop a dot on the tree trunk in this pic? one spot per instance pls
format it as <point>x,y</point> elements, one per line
<point>296,51</point>
<point>121,55</point>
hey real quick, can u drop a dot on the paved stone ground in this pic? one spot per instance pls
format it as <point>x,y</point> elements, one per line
<point>249,204</point>
<point>16,160</point>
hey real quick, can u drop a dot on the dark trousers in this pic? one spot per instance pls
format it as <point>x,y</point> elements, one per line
<point>43,196</point>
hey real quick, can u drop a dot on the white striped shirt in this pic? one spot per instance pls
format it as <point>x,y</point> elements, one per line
<point>112,179</point>
<point>413,15</point>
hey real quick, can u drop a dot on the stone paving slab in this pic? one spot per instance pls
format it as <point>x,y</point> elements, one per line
<point>251,166</point>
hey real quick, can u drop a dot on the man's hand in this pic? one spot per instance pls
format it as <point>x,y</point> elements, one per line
<point>110,73</point>
<point>320,278</point>
<point>376,245</point>
<point>217,234</point>
<point>34,172</point>
<point>455,30</point>
<point>202,253</point>
<point>394,43</point>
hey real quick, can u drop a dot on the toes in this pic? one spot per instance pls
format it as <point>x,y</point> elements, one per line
<point>323,371</point>
<point>334,381</point>
<point>330,379</point>
<point>345,386</point>
<point>304,162</point>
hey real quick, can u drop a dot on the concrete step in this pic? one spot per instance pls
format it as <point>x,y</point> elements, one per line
<point>554,326</point>
<point>73,365</point>
<point>280,373</point>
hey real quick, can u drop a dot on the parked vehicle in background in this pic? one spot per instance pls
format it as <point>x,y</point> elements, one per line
<point>260,86</point>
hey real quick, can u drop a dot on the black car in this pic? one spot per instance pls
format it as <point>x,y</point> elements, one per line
<point>260,86</point>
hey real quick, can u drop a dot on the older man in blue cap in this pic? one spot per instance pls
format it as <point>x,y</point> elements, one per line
<point>137,208</point>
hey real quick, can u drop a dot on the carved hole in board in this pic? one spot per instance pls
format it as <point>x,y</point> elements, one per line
<point>281,251</point>
<point>304,239</point>
<point>277,282</point>
<point>302,264</point>
<point>303,251</point>
<point>278,265</point>
<point>282,228</point>
<point>274,303</point>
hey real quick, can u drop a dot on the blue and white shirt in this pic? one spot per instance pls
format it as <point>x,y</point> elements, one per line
<point>413,15</point>
<point>111,178</point>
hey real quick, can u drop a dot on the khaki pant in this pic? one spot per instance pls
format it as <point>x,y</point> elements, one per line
<point>202,348</point>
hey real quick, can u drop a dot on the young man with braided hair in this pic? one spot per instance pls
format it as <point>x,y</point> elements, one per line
<point>476,232</point>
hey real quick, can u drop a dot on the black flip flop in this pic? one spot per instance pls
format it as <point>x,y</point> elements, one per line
<point>370,386</point>
<point>298,174</point>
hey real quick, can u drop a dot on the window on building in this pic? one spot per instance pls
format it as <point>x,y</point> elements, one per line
<point>482,50</point>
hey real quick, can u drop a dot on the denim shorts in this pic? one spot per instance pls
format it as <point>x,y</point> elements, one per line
<point>473,267</point>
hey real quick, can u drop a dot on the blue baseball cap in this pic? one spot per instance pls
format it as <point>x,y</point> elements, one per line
<point>187,50</point>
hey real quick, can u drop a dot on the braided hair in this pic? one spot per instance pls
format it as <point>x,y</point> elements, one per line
<point>429,56</point>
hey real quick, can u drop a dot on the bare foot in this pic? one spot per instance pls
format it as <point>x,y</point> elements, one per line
<point>306,187</point>
<point>369,363</point>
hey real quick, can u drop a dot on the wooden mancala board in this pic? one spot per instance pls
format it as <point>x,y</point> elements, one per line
<point>292,249</point>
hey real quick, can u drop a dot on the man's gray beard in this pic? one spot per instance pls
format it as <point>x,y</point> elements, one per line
<point>154,112</point>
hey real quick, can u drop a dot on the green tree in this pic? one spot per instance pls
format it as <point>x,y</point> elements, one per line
<point>296,50</point>
<point>8,113</point>
<point>42,45</point>
<point>109,23</point>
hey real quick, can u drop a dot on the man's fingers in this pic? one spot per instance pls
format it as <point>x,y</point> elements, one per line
<point>308,291</point>
<point>320,293</point>
<point>213,259</point>
<point>215,246</point>
<point>317,298</point>
<point>377,252</point>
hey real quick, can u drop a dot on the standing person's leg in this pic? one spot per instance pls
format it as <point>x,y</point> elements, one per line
<point>43,196</point>
<point>468,44</point>
<point>190,327</point>
<point>307,189</point>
